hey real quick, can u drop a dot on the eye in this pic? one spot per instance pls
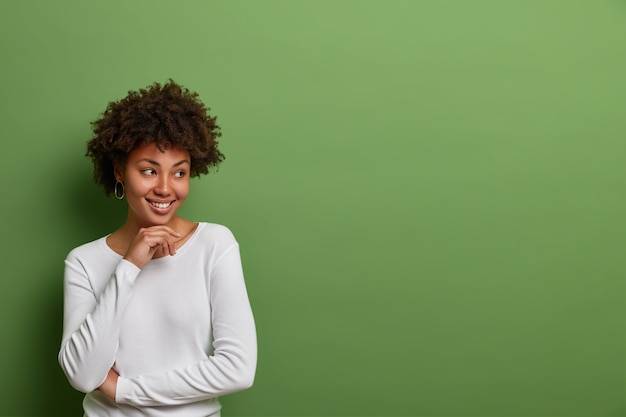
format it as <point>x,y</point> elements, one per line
<point>148,171</point>
<point>180,174</point>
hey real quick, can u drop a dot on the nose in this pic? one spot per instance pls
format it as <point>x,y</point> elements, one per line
<point>163,187</point>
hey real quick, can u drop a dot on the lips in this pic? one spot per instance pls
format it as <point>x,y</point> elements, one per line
<point>160,205</point>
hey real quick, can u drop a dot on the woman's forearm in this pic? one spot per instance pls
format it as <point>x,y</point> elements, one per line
<point>110,384</point>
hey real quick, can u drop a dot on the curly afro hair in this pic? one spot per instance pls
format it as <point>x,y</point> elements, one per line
<point>168,115</point>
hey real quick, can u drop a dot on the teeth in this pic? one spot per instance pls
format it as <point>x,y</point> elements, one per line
<point>160,205</point>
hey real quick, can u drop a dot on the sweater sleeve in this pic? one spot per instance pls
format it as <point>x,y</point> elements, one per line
<point>232,365</point>
<point>92,322</point>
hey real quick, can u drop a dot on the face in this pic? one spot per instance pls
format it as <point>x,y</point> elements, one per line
<point>155,183</point>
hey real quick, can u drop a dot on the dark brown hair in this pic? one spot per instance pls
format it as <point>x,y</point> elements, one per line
<point>168,115</point>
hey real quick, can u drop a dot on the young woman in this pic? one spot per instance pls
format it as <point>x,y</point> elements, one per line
<point>157,320</point>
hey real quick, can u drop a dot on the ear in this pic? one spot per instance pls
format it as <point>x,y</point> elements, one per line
<point>118,171</point>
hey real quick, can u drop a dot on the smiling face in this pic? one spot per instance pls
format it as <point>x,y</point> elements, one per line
<point>156,184</point>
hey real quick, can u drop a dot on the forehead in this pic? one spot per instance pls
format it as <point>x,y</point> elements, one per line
<point>153,153</point>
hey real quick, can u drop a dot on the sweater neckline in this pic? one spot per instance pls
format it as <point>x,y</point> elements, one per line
<point>164,259</point>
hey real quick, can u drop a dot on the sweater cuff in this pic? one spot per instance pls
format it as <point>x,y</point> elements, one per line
<point>127,270</point>
<point>122,390</point>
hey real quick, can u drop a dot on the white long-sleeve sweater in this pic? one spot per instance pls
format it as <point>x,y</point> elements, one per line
<point>180,331</point>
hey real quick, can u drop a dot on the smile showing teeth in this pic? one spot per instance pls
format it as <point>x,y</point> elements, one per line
<point>160,205</point>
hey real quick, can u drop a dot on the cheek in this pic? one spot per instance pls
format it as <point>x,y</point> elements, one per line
<point>182,191</point>
<point>140,189</point>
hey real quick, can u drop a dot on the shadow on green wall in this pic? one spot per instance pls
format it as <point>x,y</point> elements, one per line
<point>57,398</point>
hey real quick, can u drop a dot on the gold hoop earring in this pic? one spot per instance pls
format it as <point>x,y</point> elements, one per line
<point>115,191</point>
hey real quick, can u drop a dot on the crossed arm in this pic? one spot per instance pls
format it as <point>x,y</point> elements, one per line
<point>92,326</point>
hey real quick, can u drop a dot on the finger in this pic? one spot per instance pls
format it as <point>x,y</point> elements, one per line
<point>167,248</point>
<point>167,229</point>
<point>153,249</point>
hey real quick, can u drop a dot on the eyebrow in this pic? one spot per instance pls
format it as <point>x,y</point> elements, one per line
<point>153,162</point>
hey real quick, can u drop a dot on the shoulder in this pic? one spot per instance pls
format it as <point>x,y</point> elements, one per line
<point>211,240</point>
<point>94,249</point>
<point>216,234</point>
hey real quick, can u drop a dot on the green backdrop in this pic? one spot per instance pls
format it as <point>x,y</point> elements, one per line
<point>429,195</point>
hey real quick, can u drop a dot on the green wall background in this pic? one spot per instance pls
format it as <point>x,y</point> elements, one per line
<point>429,195</point>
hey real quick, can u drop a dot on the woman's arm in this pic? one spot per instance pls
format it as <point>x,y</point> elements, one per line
<point>109,387</point>
<point>91,323</point>
<point>232,366</point>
